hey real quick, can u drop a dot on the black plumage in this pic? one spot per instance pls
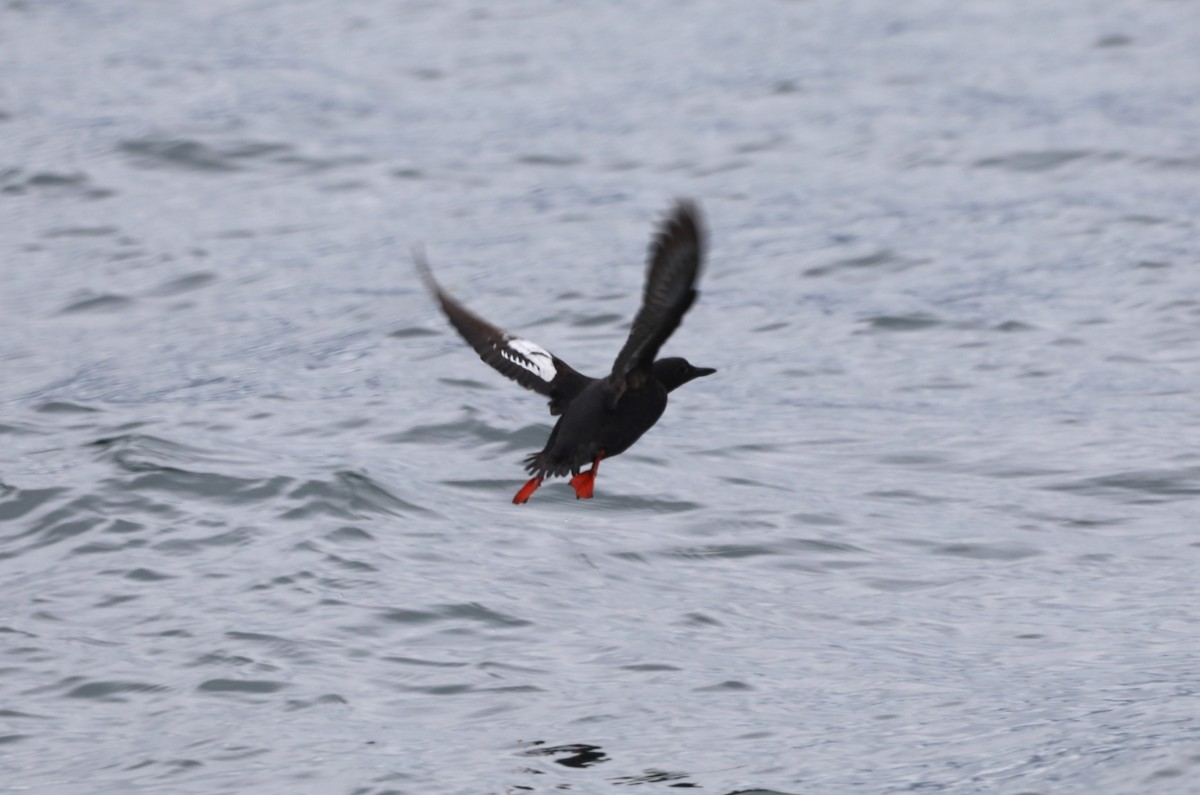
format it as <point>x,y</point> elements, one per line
<point>600,417</point>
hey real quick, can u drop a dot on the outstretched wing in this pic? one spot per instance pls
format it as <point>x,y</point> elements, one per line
<point>675,256</point>
<point>525,362</point>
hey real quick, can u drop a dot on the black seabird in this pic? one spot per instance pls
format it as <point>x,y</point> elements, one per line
<point>600,417</point>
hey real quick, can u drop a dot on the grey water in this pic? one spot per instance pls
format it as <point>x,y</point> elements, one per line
<point>934,526</point>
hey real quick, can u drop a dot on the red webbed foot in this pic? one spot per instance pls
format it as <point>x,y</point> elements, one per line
<point>585,482</point>
<point>527,491</point>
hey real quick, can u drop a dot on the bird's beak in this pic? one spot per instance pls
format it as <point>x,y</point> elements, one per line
<point>701,371</point>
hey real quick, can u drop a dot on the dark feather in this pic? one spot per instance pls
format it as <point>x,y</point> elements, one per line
<point>525,362</point>
<point>672,270</point>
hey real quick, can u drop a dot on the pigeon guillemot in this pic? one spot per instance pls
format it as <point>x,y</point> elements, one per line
<point>599,417</point>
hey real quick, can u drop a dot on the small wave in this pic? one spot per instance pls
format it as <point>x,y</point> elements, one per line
<point>184,284</point>
<point>348,496</point>
<point>885,260</point>
<point>15,182</point>
<point>1033,161</point>
<point>1139,486</point>
<point>108,302</point>
<point>191,155</point>
<point>475,431</point>
<point>915,321</point>
<point>252,686</point>
<point>470,612</point>
<point>112,691</point>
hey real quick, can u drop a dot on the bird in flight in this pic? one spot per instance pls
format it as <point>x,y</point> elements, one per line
<point>599,418</point>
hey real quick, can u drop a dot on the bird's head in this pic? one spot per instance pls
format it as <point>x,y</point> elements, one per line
<point>673,372</point>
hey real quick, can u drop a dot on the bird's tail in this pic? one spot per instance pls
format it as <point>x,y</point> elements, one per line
<point>535,464</point>
<point>541,465</point>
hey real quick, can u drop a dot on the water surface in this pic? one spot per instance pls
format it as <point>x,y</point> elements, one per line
<point>932,526</point>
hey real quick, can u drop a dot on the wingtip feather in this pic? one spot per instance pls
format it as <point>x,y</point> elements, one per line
<point>421,263</point>
<point>686,211</point>
<point>683,224</point>
<point>686,206</point>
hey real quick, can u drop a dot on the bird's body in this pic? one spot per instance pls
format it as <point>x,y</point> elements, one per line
<point>600,417</point>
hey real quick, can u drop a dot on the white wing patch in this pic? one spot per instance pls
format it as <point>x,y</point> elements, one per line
<point>530,356</point>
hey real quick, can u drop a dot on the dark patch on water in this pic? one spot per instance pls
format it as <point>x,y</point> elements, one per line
<point>184,284</point>
<point>1032,161</point>
<point>550,160</point>
<point>198,156</point>
<point>916,321</point>
<point>98,303</point>
<point>15,182</point>
<point>579,755</point>
<point>249,686</point>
